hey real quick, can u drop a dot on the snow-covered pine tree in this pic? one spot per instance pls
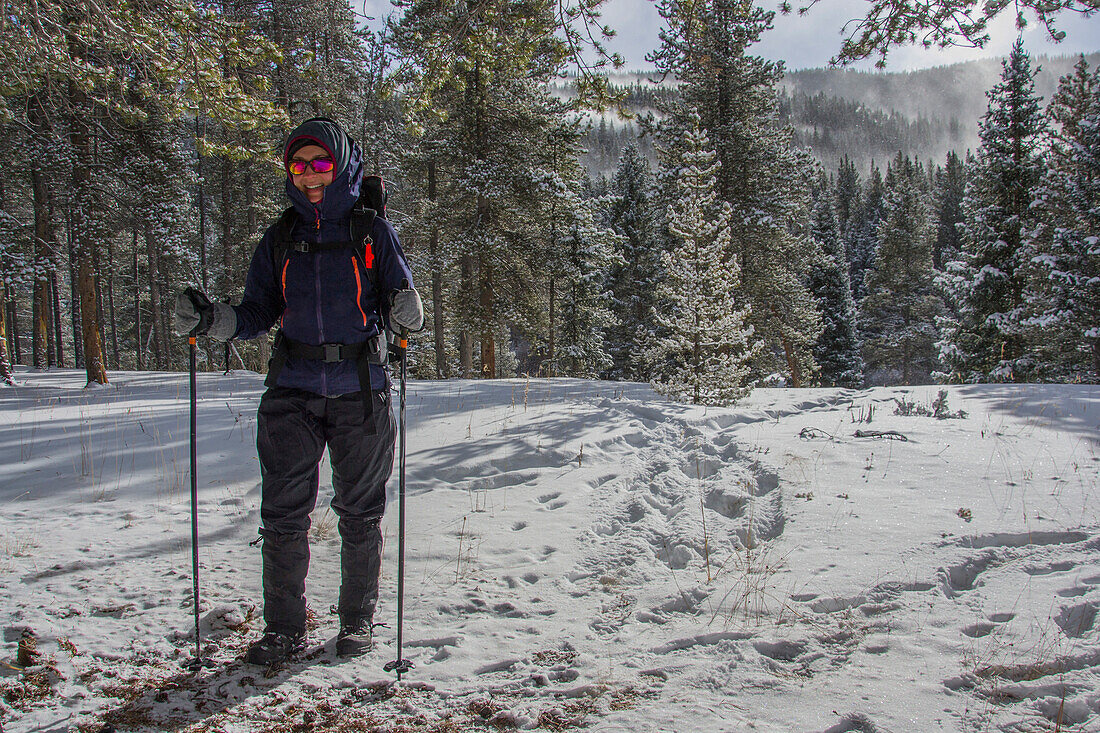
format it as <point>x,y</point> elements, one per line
<point>585,309</point>
<point>17,268</point>
<point>898,315</point>
<point>158,173</point>
<point>987,283</point>
<point>861,237</point>
<point>837,351</point>
<point>504,154</point>
<point>105,68</point>
<point>848,194</point>
<point>704,45</point>
<point>950,187</point>
<point>704,356</point>
<point>1064,300</point>
<point>633,281</point>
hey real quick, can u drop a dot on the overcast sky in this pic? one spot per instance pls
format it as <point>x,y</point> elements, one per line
<point>810,40</point>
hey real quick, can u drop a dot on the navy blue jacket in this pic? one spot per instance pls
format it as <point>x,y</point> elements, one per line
<point>324,297</point>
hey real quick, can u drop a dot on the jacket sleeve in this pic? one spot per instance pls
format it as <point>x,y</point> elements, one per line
<point>393,268</point>
<point>263,302</point>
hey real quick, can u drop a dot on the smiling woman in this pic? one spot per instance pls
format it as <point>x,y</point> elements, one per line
<point>311,168</point>
<point>329,275</point>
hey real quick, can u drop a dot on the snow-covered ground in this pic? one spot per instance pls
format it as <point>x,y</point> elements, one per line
<point>580,554</point>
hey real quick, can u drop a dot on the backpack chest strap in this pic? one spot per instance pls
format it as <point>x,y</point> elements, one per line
<point>323,246</point>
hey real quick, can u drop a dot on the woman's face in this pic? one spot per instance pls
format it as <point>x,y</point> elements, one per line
<point>312,183</point>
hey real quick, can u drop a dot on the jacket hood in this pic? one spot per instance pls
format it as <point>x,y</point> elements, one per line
<point>340,195</point>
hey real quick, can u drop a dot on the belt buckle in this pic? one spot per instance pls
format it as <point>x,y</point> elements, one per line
<point>332,352</point>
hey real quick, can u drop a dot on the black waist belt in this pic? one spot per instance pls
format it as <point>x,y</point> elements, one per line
<point>364,354</point>
<point>331,352</point>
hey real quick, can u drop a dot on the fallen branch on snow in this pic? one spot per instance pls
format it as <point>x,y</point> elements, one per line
<point>887,434</point>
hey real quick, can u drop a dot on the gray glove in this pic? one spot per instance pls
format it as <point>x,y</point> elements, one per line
<point>406,310</point>
<point>195,315</point>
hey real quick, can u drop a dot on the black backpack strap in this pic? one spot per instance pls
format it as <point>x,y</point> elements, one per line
<point>360,228</point>
<point>279,353</point>
<point>284,237</point>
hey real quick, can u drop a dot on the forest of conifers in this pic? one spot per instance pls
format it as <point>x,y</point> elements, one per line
<point>735,243</point>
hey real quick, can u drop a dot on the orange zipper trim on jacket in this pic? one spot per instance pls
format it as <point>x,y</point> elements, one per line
<point>286,264</point>
<point>358,291</point>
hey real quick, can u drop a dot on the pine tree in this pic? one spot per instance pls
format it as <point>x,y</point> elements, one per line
<point>861,237</point>
<point>1064,300</point>
<point>987,283</point>
<point>105,69</point>
<point>17,268</point>
<point>941,23</point>
<point>764,179</point>
<point>159,175</point>
<point>585,303</point>
<point>633,282</point>
<point>837,351</point>
<point>504,154</point>
<point>898,316</point>
<point>950,187</point>
<point>848,195</point>
<point>704,358</point>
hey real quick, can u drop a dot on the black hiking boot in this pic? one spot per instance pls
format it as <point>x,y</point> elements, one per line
<point>274,648</point>
<point>355,638</point>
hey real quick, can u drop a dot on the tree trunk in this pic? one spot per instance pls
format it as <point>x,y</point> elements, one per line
<point>488,339</point>
<point>139,347</point>
<point>55,295</point>
<point>697,358</point>
<point>165,333</point>
<point>550,371</point>
<point>441,371</point>
<point>6,375</point>
<point>160,340</point>
<point>789,351</point>
<point>485,294</point>
<point>40,318</point>
<point>250,203</point>
<point>74,302</point>
<point>202,206</point>
<point>465,338</point>
<point>94,364</point>
<point>111,300</point>
<point>263,355</point>
<point>40,302</point>
<point>85,230</point>
<point>13,331</point>
<point>792,362</point>
<point>224,286</point>
<point>100,316</point>
<point>906,369</point>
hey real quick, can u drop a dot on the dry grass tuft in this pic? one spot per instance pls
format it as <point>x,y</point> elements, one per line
<point>552,657</point>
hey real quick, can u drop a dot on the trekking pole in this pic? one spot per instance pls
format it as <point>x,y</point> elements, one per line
<point>197,662</point>
<point>400,664</point>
